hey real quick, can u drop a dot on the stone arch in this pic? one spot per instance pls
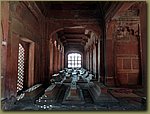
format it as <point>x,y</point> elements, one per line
<point>61,25</point>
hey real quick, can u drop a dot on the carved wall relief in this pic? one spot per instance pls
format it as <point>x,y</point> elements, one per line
<point>126,30</point>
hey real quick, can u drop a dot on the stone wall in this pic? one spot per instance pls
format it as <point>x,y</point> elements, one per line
<point>21,24</point>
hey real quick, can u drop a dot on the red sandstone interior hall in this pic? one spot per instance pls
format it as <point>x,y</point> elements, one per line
<point>74,55</point>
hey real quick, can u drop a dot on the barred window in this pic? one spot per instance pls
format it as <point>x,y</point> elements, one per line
<point>74,60</point>
<point>21,56</point>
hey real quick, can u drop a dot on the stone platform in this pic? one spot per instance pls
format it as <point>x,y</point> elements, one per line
<point>73,96</point>
<point>32,93</point>
<point>101,97</point>
<point>51,94</point>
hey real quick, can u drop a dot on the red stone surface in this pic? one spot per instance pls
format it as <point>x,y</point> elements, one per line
<point>110,81</point>
<point>104,90</point>
<point>133,78</point>
<point>122,78</point>
<point>127,48</point>
<point>126,63</point>
<point>73,92</point>
<point>119,63</point>
<point>135,63</point>
<point>109,57</point>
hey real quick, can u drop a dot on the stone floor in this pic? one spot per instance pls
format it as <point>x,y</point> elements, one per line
<point>127,101</point>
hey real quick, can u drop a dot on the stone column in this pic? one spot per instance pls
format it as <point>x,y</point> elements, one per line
<point>51,57</point>
<point>55,56</point>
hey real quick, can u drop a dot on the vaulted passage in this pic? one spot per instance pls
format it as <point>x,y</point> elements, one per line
<point>74,55</point>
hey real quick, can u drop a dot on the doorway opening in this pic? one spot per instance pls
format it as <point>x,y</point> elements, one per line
<point>25,78</point>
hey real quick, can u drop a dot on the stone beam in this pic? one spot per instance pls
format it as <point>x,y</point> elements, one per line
<point>74,35</point>
<point>74,40</point>
<point>73,43</point>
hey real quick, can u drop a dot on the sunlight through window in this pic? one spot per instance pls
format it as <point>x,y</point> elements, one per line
<point>74,60</point>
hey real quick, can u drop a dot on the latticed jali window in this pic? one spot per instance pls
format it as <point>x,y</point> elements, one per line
<point>74,60</point>
<point>21,56</point>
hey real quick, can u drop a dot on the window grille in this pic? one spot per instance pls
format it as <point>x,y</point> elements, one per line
<point>21,56</point>
<point>74,60</point>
